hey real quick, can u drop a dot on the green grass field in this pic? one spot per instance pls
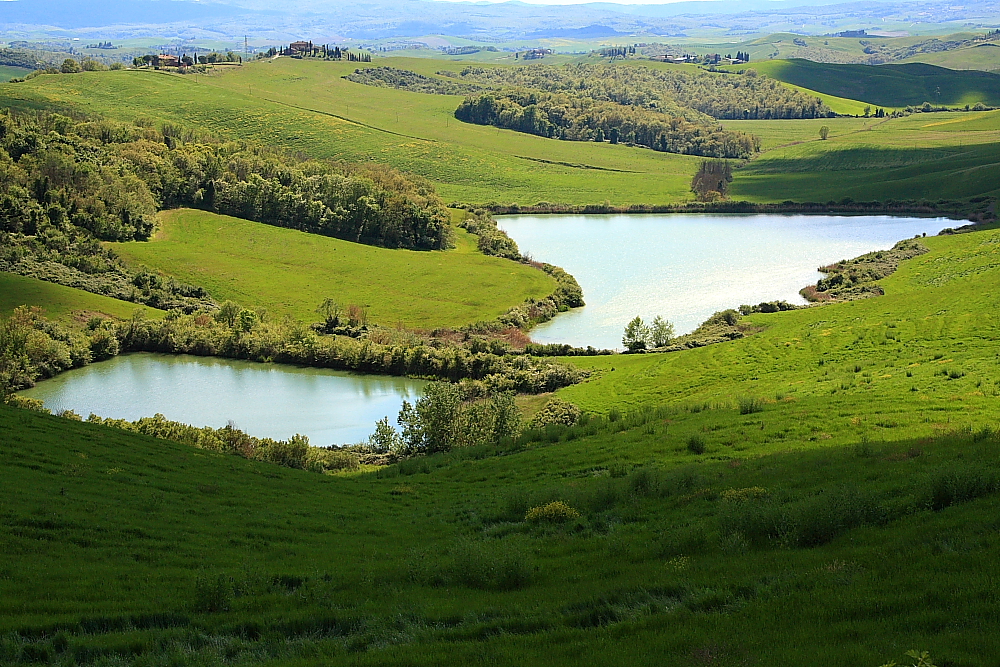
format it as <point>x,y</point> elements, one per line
<point>63,303</point>
<point>890,86</point>
<point>7,73</point>
<point>849,513</point>
<point>984,57</point>
<point>307,106</point>
<point>918,157</point>
<point>290,273</point>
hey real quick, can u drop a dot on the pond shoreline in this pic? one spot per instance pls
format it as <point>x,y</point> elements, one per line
<point>977,213</point>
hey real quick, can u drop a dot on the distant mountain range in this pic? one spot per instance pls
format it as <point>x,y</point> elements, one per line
<point>507,21</point>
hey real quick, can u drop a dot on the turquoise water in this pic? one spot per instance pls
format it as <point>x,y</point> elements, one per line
<point>265,400</point>
<point>686,267</point>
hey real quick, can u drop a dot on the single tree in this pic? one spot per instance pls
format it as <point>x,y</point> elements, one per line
<point>661,331</point>
<point>636,336</point>
<point>824,132</point>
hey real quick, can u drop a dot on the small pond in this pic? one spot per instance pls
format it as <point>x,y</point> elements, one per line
<point>265,400</point>
<point>686,267</point>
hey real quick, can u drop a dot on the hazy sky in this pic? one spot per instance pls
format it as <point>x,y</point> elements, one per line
<point>579,2</point>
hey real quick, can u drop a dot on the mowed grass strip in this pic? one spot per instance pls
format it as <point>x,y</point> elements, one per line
<point>290,273</point>
<point>63,303</point>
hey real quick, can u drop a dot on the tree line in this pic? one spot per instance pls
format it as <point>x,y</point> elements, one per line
<point>109,179</point>
<point>572,118</point>
<point>665,110</point>
<point>723,96</point>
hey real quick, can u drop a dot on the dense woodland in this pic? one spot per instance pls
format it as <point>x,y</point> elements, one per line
<point>667,110</point>
<point>108,180</point>
<point>66,185</point>
<point>719,95</point>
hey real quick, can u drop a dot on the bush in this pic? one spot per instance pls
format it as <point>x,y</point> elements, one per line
<point>556,411</point>
<point>696,444</point>
<point>961,484</point>
<point>25,403</point>
<point>749,405</point>
<point>213,593</point>
<point>554,512</point>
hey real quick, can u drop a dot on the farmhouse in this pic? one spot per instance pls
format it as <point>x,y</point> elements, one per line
<point>169,61</point>
<point>300,47</point>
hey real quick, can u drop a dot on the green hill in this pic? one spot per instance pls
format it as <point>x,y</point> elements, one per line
<point>982,57</point>
<point>895,85</point>
<point>923,156</point>
<point>828,486</point>
<point>63,303</point>
<point>290,272</point>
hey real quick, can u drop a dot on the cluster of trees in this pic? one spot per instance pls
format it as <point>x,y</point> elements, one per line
<point>575,118</point>
<point>639,336</point>
<point>494,241</point>
<point>747,95</point>
<point>110,179</point>
<point>711,181</point>
<point>669,110</point>
<point>445,418</point>
<point>324,51</point>
<point>616,52</point>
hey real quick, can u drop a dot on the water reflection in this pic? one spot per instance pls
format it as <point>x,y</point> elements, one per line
<point>265,400</point>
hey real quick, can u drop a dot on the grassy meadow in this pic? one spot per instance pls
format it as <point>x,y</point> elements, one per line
<point>892,85</point>
<point>306,106</point>
<point>65,304</point>
<point>288,272</point>
<point>827,487</point>
<point>918,157</point>
<point>984,57</point>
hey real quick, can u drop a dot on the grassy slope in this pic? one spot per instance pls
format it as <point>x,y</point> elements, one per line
<point>982,57</point>
<point>7,73</point>
<point>889,85</point>
<point>306,105</point>
<point>62,303</point>
<point>290,272</point>
<point>107,534</point>
<point>922,156</point>
<point>934,317</point>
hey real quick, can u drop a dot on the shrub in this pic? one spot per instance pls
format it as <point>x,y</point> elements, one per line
<point>25,403</point>
<point>556,411</point>
<point>749,405</point>
<point>961,484</point>
<point>744,495</point>
<point>554,512</point>
<point>696,444</point>
<point>212,593</point>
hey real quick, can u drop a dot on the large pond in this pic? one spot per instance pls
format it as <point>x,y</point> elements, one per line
<point>265,400</point>
<point>686,267</point>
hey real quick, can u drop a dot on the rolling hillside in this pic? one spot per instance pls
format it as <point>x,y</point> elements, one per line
<point>291,272</point>
<point>828,486</point>
<point>893,86</point>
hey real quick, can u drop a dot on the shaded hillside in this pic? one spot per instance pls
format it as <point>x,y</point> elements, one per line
<point>897,85</point>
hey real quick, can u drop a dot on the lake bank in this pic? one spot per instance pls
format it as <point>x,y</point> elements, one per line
<point>265,400</point>
<point>686,267</point>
